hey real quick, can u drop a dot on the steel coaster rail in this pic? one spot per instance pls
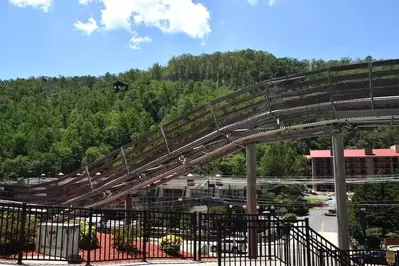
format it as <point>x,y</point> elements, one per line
<point>293,99</point>
<point>234,146</point>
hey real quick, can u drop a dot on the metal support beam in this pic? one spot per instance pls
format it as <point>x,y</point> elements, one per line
<point>89,178</point>
<point>280,123</point>
<point>366,113</point>
<point>331,88</point>
<point>267,96</point>
<point>164,138</point>
<point>340,190</point>
<point>129,209</point>
<point>213,116</point>
<point>124,159</point>
<point>251,199</point>
<point>314,188</point>
<point>371,84</point>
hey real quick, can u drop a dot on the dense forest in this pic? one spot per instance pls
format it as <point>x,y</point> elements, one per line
<point>57,124</point>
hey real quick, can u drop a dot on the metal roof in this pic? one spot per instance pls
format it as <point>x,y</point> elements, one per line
<point>360,153</point>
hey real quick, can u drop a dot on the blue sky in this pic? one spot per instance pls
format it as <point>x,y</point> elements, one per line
<point>92,37</point>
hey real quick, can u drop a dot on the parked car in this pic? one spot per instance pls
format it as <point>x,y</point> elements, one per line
<point>232,244</point>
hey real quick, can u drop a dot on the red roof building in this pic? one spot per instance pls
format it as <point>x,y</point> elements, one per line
<point>358,163</point>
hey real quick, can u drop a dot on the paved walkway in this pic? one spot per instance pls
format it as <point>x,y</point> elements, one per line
<point>330,236</point>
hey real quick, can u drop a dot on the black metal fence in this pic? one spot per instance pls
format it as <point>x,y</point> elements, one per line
<point>360,257</point>
<point>30,232</point>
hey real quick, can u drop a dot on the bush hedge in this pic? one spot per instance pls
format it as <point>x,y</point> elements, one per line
<point>170,244</point>
<point>10,233</point>
<point>374,237</point>
<point>290,217</point>
<point>124,238</point>
<point>331,213</point>
<point>84,240</point>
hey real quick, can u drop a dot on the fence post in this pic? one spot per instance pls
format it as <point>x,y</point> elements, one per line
<point>145,222</point>
<point>219,241</point>
<point>321,258</point>
<point>199,235</point>
<point>194,227</point>
<point>269,235</point>
<point>307,241</point>
<point>90,236</point>
<point>22,234</point>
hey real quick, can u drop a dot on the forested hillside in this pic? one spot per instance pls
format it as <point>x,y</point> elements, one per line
<point>53,124</point>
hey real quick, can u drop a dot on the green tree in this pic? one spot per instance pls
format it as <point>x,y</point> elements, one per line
<point>377,202</point>
<point>290,162</point>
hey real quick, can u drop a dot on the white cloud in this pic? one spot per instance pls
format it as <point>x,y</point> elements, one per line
<point>87,27</point>
<point>272,2</point>
<point>252,2</point>
<point>42,4</point>
<point>85,2</point>
<point>135,41</point>
<point>170,16</point>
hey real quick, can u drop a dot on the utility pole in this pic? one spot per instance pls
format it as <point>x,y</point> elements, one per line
<point>251,199</point>
<point>340,189</point>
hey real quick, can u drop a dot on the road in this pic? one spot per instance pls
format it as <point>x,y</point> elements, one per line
<point>321,223</point>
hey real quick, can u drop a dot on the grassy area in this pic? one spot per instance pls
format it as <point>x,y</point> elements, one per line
<point>311,200</point>
<point>331,213</point>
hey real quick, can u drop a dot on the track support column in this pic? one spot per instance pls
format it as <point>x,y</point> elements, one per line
<point>340,190</point>
<point>129,209</point>
<point>251,200</point>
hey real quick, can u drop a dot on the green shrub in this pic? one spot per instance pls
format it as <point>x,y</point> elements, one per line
<point>84,240</point>
<point>299,210</point>
<point>290,217</point>
<point>10,233</point>
<point>331,213</point>
<point>124,237</point>
<point>374,237</point>
<point>170,244</point>
<point>374,231</point>
<point>393,235</point>
<point>219,210</point>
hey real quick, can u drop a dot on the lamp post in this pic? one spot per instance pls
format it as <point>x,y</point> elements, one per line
<point>232,210</point>
<point>181,201</point>
<point>43,175</point>
<point>272,210</point>
<point>245,207</point>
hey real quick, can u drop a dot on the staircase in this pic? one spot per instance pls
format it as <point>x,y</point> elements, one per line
<point>314,248</point>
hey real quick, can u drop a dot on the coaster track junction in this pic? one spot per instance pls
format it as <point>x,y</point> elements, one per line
<point>297,106</point>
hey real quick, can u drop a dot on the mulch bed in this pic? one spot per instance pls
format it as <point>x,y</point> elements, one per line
<point>106,253</point>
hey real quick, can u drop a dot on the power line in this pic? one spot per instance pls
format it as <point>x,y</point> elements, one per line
<point>231,180</point>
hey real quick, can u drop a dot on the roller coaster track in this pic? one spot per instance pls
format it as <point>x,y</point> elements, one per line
<point>292,107</point>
